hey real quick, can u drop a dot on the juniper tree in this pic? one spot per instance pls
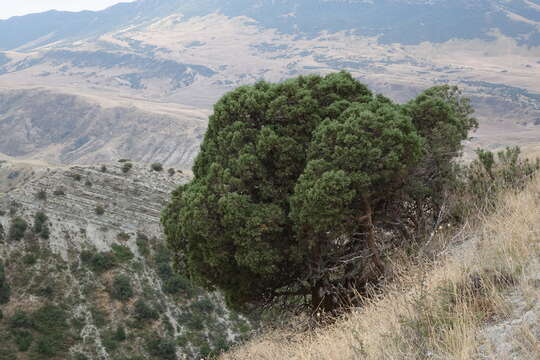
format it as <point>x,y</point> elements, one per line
<point>288,186</point>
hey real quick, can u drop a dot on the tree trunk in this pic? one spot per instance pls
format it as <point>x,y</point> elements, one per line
<point>376,257</point>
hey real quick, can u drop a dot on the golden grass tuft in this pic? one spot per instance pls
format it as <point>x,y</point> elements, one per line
<point>436,310</point>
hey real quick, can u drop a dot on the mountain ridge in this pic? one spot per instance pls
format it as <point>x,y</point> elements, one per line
<point>391,20</point>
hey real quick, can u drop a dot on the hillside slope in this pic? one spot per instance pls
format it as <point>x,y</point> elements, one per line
<point>478,300</point>
<point>73,129</point>
<point>89,276</point>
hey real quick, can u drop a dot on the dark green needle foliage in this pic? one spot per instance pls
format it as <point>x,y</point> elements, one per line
<point>288,183</point>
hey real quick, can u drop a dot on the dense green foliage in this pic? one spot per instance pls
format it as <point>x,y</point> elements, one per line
<point>45,329</point>
<point>293,179</point>
<point>17,229</point>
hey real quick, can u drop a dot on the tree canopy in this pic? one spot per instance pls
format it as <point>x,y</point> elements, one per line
<point>291,180</point>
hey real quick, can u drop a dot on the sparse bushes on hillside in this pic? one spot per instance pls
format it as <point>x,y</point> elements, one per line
<point>487,176</point>
<point>17,229</point>
<point>171,171</point>
<point>46,327</point>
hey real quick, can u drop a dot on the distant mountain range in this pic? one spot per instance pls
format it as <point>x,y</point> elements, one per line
<point>393,21</point>
<point>175,58</point>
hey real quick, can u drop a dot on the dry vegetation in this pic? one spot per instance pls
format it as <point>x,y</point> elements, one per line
<point>469,302</point>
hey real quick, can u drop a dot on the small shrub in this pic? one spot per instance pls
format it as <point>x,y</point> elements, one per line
<point>178,284</point>
<point>165,271</point>
<point>17,229</point>
<point>101,317</point>
<point>123,236</point>
<point>122,253</point>
<point>123,160</point>
<point>120,334</point>
<point>59,192</point>
<point>45,232</point>
<point>14,208</point>
<point>76,177</point>
<point>21,320</point>
<point>204,306</point>
<point>162,255</point>
<point>121,288</point>
<point>487,176</point>
<point>80,356</point>
<point>161,348</point>
<point>29,259</point>
<point>157,167</point>
<point>103,169</point>
<point>98,262</point>
<point>109,342</point>
<point>100,210</point>
<point>88,183</point>
<point>171,171</point>
<point>142,244</point>
<point>41,195</point>
<point>46,291</point>
<point>40,218</point>
<point>50,318</point>
<point>5,290</point>
<point>126,167</point>
<point>23,339</point>
<point>144,312</point>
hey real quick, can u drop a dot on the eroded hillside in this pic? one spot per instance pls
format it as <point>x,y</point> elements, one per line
<point>86,274</point>
<point>71,129</point>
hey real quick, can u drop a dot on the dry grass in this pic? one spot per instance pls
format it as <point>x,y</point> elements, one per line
<point>437,310</point>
